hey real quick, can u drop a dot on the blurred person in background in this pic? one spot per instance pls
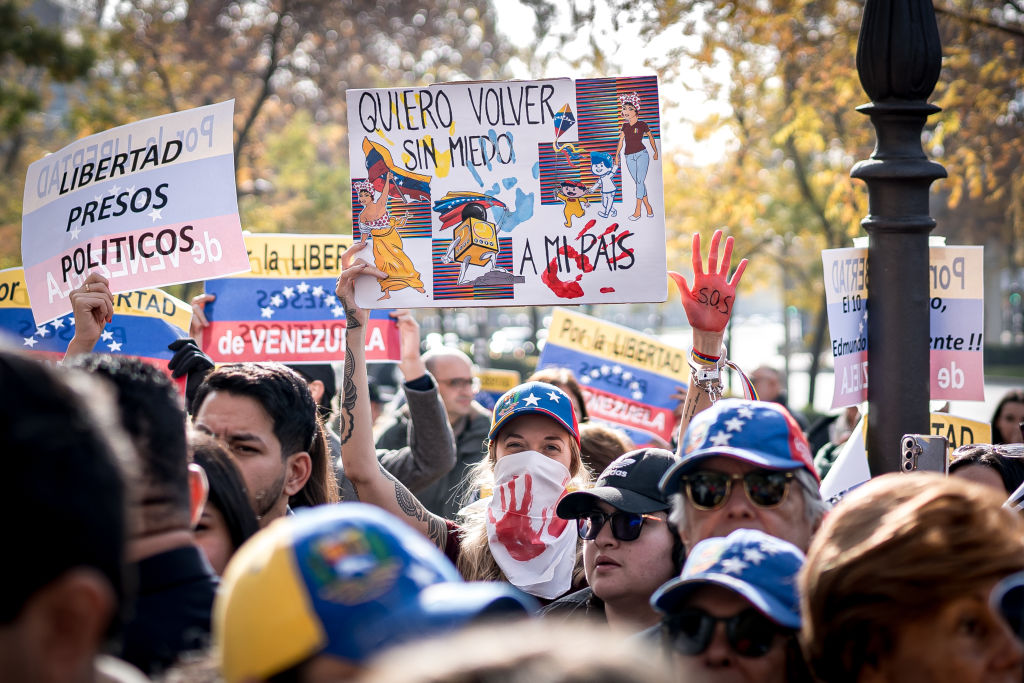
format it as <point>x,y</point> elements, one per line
<point>1008,418</point>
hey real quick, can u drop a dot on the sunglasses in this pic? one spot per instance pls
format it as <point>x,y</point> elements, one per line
<point>708,490</point>
<point>626,526</point>
<point>749,633</point>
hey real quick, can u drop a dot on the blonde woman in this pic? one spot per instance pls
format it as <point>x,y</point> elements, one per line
<point>533,458</point>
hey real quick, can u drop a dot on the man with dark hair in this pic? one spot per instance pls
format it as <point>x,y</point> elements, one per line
<point>267,416</point>
<point>175,583</point>
<point>64,466</point>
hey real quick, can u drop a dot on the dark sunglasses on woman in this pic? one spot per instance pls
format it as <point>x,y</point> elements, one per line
<point>708,490</point>
<point>749,633</point>
<point>626,526</point>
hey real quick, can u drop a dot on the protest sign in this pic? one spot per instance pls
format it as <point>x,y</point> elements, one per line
<point>846,299</point>
<point>628,378</point>
<point>493,383</point>
<point>285,309</point>
<point>510,193</point>
<point>956,280</point>
<point>144,323</point>
<point>959,430</point>
<point>146,204</point>
<point>956,322</point>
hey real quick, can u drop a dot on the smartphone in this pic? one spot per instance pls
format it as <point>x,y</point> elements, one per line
<point>924,452</point>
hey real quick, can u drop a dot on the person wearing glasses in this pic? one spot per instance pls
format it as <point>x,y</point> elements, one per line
<point>452,370</point>
<point>733,614</point>
<point>628,548</point>
<point>744,465</point>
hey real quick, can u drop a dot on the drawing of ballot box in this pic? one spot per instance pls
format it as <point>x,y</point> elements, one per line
<point>475,239</point>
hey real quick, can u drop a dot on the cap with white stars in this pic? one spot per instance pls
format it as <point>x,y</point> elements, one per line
<point>538,398</point>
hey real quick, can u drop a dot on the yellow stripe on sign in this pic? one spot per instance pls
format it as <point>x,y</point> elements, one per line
<point>498,381</point>
<point>279,255</point>
<point>12,288</point>
<point>956,272</point>
<point>959,430</point>
<point>617,343</point>
<point>154,303</point>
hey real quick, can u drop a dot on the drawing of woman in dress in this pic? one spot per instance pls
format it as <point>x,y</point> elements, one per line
<point>388,254</point>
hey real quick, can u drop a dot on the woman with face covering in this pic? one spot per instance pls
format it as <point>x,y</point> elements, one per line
<point>533,459</point>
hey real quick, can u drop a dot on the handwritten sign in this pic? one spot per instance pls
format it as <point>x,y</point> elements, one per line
<point>147,204</point>
<point>627,377</point>
<point>957,321</point>
<point>846,300</point>
<point>493,383</point>
<point>144,323</point>
<point>285,309</point>
<point>956,280</point>
<point>510,193</point>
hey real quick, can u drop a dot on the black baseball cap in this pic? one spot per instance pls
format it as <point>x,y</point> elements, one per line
<point>629,483</point>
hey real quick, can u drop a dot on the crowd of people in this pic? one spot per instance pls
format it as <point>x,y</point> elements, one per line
<point>270,525</point>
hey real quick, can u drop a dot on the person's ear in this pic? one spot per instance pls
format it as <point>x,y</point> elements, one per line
<point>198,489</point>
<point>299,468</point>
<point>68,620</point>
<point>316,387</point>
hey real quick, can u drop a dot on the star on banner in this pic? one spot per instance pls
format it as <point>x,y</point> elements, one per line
<point>266,312</point>
<point>155,215</point>
<point>42,331</point>
<point>288,292</point>
<point>75,232</point>
<point>30,341</point>
<point>721,439</point>
<point>531,400</point>
<point>276,300</point>
<point>303,287</point>
<point>57,324</point>
<point>107,335</point>
<point>114,190</point>
<point>318,291</point>
<point>114,346</point>
<point>338,311</point>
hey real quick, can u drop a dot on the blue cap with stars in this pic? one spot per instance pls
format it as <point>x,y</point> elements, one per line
<point>760,568</point>
<point>535,397</point>
<point>758,432</point>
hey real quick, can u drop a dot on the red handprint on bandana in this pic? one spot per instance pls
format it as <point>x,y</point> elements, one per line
<point>514,530</point>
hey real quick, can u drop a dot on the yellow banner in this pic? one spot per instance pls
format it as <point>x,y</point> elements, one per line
<point>279,255</point>
<point>495,381</point>
<point>959,430</point>
<point>617,343</point>
<point>12,288</point>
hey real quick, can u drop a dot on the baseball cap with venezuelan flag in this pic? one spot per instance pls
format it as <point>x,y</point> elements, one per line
<point>345,580</point>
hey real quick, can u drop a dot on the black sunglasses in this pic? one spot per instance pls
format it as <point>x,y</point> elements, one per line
<point>626,526</point>
<point>708,490</point>
<point>749,633</point>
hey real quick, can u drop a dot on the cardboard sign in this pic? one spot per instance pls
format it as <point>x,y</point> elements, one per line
<point>956,322</point>
<point>147,204</point>
<point>144,323</point>
<point>285,309</point>
<point>628,378</point>
<point>510,193</point>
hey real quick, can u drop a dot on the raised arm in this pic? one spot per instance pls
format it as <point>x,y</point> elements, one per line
<point>430,453</point>
<point>382,201</point>
<point>708,305</point>
<point>358,455</point>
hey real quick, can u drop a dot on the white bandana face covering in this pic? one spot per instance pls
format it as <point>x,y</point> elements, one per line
<point>533,546</point>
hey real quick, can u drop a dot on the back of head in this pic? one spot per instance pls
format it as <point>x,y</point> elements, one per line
<point>601,443</point>
<point>64,463</point>
<point>896,549</point>
<point>525,652</point>
<point>151,412</point>
<point>1006,460</point>
<point>344,581</point>
<point>324,373</point>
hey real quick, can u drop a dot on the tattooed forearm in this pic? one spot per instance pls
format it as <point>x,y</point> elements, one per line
<point>348,399</point>
<point>437,530</point>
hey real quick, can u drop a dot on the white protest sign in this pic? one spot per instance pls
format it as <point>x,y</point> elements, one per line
<point>509,193</point>
<point>147,204</point>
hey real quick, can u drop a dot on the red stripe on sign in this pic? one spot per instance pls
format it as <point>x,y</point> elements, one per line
<point>295,342</point>
<point>624,411</point>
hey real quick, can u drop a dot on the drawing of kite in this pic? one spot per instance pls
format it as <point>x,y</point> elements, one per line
<point>564,120</point>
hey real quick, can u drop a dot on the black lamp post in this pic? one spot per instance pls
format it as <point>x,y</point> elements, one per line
<point>898,59</point>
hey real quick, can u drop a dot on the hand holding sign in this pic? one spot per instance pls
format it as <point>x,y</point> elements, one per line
<point>708,304</point>
<point>345,289</point>
<point>93,307</point>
